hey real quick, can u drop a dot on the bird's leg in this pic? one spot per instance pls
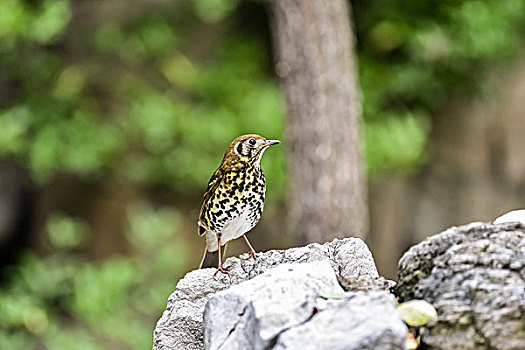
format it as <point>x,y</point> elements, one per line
<point>224,250</point>
<point>221,268</point>
<point>252,251</point>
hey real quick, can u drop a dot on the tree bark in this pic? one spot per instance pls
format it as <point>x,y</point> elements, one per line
<point>316,66</point>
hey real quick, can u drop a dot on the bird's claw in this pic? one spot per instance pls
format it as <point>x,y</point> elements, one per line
<point>252,254</point>
<point>222,269</point>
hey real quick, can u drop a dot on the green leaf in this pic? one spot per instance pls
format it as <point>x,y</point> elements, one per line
<point>417,312</point>
<point>333,295</point>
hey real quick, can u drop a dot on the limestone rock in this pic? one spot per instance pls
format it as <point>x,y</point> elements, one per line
<point>253,313</point>
<point>181,325</point>
<point>474,275</point>
<point>282,309</point>
<point>511,216</point>
<point>361,321</point>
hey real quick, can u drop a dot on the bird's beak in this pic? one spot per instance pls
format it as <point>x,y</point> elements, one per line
<point>271,142</point>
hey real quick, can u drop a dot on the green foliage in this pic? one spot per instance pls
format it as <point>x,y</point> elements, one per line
<point>64,232</point>
<point>42,24</point>
<point>447,35</point>
<point>415,56</point>
<point>113,302</point>
<point>166,133</point>
<point>396,141</point>
<point>214,10</point>
<point>157,117</point>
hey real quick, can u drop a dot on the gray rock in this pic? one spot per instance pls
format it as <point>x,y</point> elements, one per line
<point>364,321</point>
<point>511,216</point>
<point>475,277</point>
<point>282,309</point>
<point>365,284</point>
<point>180,326</point>
<point>251,314</point>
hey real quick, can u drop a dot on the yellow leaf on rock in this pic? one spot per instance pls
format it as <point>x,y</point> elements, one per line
<point>417,312</point>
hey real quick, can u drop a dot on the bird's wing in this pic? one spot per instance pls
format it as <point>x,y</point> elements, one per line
<point>214,182</point>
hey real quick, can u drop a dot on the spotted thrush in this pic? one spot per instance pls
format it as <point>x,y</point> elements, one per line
<point>234,200</point>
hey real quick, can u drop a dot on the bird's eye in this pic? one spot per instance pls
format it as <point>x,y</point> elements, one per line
<point>251,141</point>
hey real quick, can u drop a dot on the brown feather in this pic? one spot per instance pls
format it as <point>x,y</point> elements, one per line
<point>215,180</point>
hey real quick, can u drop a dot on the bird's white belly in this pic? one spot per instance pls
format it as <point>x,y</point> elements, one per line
<point>236,228</point>
<point>233,229</point>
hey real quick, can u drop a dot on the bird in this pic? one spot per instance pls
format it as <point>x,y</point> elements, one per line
<point>234,199</point>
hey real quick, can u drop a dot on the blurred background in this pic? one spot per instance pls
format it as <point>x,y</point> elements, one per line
<point>115,113</point>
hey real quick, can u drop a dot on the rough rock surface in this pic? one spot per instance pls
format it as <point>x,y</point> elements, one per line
<point>475,277</point>
<point>252,314</point>
<point>282,309</point>
<point>181,325</point>
<point>361,321</point>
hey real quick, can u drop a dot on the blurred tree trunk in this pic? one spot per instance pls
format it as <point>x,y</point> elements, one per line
<point>316,65</point>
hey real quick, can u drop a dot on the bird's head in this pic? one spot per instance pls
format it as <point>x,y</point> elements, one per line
<point>247,149</point>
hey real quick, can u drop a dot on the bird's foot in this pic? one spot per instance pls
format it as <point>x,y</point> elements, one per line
<point>252,254</point>
<point>222,269</point>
